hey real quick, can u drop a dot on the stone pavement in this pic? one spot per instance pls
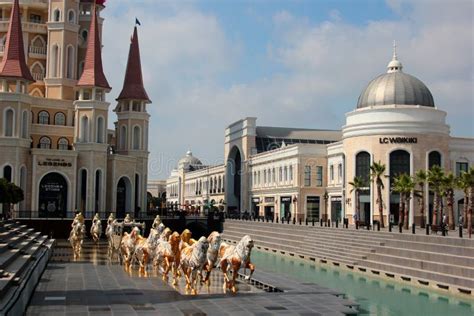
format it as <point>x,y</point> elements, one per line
<point>93,286</point>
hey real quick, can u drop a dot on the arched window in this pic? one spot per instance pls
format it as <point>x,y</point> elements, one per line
<point>399,164</point>
<point>123,137</point>
<point>70,62</point>
<point>136,137</point>
<point>63,144</point>
<point>363,166</point>
<point>59,119</point>
<point>85,129</point>
<point>71,16</point>
<point>24,124</point>
<point>100,130</point>
<point>57,15</point>
<point>37,71</point>
<point>43,117</point>
<point>7,173</point>
<point>45,142</point>
<point>38,42</point>
<point>8,122</point>
<point>434,159</point>
<point>54,68</point>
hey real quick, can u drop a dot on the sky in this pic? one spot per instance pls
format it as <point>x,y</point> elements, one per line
<point>290,63</point>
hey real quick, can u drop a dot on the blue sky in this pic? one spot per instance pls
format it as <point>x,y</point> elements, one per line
<point>293,63</point>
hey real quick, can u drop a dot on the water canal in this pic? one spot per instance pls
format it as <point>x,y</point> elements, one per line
<point>375,296</point>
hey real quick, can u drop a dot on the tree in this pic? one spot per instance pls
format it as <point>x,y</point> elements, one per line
<point>435,180</point>
<point>466,182</point>
<point>357,184</point>
<point>404,185</point>
<point>377,172</point>
<point>10,194</point>
<point>463,183</point>
<point>449,183</point>
<point>420,178</point>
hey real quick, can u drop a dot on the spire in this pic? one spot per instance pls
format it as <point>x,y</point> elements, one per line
<point>93,74</point>
<point>133,83</point>
<point>394,65</point>
<point>13,64</point>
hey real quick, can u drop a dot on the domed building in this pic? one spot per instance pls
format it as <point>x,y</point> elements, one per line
<point>189,162</point>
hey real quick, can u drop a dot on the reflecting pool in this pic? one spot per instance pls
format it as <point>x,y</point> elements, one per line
<point>375,296</point>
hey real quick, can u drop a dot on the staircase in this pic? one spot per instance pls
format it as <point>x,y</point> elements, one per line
<point>24,254</point>
<point>444,263</point>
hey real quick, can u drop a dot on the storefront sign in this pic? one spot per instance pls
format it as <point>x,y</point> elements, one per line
<point>398,140</point>
<point>336,198</point>
<point>312,199</point>
<point>286,199</point>
<point>54,163</point>
<point>269,199</point>
<point>255,200</point>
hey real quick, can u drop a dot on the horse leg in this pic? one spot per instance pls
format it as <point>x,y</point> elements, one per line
<point>234,276</point>
<point>193,281</point>
<point>251,267</point>
<point>224,271</point>
<point>175,271</point>
<point>167,268</point>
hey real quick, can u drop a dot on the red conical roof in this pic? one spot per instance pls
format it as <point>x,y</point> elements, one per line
<point>133,83</point>
<point>13,63</point>
<point>93,74</point>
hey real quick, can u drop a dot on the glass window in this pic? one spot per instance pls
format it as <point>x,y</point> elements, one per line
<point>307,176</point>
<point>281,174</point>
<point>399,164</point>
<point>9,119</point>
<point>461,167</point>
<point>265,176</point>
<point>312,207</point>
<point>43,117</point>
<point>63,144</point>
<point>59,119</point>
<point>434,159</point>
<point>291,173</point>
<point>285,172</point>
<point>363,166</point>
<point>319,176</point>
<point>339,171</point>
<point>45,142</point>
<point>331,172</point>
<point>35,18</point>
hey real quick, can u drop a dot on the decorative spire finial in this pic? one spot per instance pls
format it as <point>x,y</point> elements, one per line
<point>394,65</point>
<point>394,50</point>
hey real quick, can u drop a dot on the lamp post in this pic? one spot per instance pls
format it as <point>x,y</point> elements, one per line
<point>326,197</point>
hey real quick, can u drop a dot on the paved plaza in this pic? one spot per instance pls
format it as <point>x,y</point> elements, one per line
<point>94,286</point>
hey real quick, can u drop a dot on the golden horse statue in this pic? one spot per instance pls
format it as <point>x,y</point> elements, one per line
<point>186,239</point>
<point>193,259</point>
<point>235,257</point>
<point>76,237</point>
<point>96,228</point>
<point>167,256</point>
<point>145,248</point>
<point>127,246</point>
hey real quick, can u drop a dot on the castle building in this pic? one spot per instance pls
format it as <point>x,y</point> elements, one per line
<point>54,138</point>
<point>305,174</point>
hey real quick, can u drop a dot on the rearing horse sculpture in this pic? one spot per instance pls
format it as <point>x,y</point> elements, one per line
<point>193,259</point>
<point>214,240</point>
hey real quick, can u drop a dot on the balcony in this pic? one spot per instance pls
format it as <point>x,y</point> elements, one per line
<point>30,27</point>
<point>38,76</point>
<point>37,52</point>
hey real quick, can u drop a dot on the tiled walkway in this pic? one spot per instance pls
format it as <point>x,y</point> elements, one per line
<point>93,286</point>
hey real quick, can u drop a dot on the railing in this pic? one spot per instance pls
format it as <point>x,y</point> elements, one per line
<point>37,50</point>
<point>38,76</point>
<point>31,27</point>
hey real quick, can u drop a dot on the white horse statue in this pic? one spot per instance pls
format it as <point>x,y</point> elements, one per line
<point>214,241</point>
<point>96,229</point>
<point>145,249</point>
<point>127,246</point>
<point>235,257</point>
<point>193,258</point>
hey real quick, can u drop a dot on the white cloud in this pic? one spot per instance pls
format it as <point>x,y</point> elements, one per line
<point>185,52</point>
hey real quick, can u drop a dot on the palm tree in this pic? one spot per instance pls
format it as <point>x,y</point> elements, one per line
<point>435,180</point>
<point>10,194</point>
<point>377,172</point>
<point>404,185</point>
<point>449,182</point>
<point>420,178</point>
<point>357,184</point>
<point>467,184</point>
<point>463,184</point>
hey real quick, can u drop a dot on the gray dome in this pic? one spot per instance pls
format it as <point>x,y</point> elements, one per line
<point>395,87</point>
<point>189,162</point>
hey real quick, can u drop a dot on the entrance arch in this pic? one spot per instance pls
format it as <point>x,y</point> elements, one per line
<point>53,195</point>
<point>399,163</point>
<point>124,197</point>
<point>234,174</point>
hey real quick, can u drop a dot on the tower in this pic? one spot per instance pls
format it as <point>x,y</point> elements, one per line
<point>131,127</point>
<point>15,104</point>
<point>90,135</point>
<point>63,43</point>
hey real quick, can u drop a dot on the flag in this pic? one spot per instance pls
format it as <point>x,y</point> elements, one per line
<point>137,22</point>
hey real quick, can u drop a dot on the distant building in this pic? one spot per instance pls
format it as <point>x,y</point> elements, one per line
<point>305,173</point>
<point>54,114</point>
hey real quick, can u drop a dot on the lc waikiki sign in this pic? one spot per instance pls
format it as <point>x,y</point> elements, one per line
<point>398,140</point>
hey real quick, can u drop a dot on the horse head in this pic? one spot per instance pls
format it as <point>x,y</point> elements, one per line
<point>160,229</point>
<point>135,233</point>
<point>186,236</point>
<point>214,240</point>
<point>244,247</point>
<point>202,244</point>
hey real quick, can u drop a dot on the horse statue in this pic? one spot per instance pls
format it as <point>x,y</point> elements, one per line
<point>109,233</point>
<point>156,222</point>
<point>96,228</point>
<point>235,257</point>
<point>145,249</point>
<point>193,259</point>
<point>186,239</point>
<point>128,219</point>
<point>167,256</point>
<point>77,234</point>
<point>127,246</point>
<point>214,240</point>
<point>165,235</point>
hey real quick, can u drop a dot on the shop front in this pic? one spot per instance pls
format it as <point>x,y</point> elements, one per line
<point>285,207</point>
<point>313,206</point>
<point>269,208</point>
<point>336,208</point>
<point>255,206</point>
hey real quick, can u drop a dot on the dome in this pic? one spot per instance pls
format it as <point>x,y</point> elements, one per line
<point>395,87</point>
<point>189,162</point>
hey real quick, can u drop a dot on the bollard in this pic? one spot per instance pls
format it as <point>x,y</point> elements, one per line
<point>400,228</point>
<point>427,229</point>
<point>300,221</point>
<point>390,227</point>
<point>368,225</point>
<point>312,221</point>
<point>337,224</point>
<point>378,226</point>
<point>413,228</point>
<point>443,230</point>
<point>357,224</point>
<point>460,231</point>
<point>329,223</point>
<point>272,219</point>
<point>288,220</point>
<point>321,222</point>
<point>294,220</point>
<point>306,221</point>
<point>277,220</point>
